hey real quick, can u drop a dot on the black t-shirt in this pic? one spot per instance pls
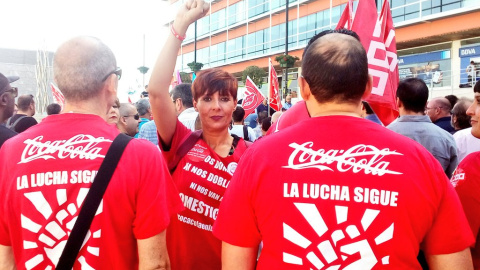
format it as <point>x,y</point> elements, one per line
<point>23,124</point>
<point>5,134</point>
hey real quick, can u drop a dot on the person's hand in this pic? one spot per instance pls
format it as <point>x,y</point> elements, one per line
<point>188,13</point>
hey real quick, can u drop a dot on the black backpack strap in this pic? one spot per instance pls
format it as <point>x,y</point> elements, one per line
<point>12,126</point>
<point>183,149</point>
<point>91,202</point>
<point>245,133</point>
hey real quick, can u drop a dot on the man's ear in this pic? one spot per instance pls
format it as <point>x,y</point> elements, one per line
<point>111,85</point>
<point>4,99</point>
<point>399,103</point>
<point>304,88</point>
<point>368,87</point>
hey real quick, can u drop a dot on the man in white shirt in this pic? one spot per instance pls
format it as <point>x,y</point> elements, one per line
<point>239,128</point>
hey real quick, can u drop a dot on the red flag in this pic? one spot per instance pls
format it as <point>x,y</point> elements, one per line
<point>383,97</point>
<point>57,95</point>
<point>346,19</point>
<point>252,98</point>
<point>273,92</point>
<point>377,35</point>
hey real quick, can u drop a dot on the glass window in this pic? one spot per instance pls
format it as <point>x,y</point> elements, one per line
<point>257,7</point>
<point>403,10</point>
<point>203,26</point>
<point>236,49</point>
<point>251,44</point>
<point>259,43</point>
<point>302,29</point>
<point>292,33</point>
<point>266,40</point>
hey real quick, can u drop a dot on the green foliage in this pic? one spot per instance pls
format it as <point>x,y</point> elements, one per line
<point>143,69</point>
<point>256,74</point>
<point>195,66</point>
<point>286,60</point>
<point>186,77</point>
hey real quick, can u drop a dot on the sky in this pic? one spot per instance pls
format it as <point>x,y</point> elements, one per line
<point>121,24</point>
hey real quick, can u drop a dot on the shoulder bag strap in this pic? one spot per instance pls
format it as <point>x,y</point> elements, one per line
<point>91,203</point>
<point>245,133</point>
<point>183,149</point>
<point>12,126</point>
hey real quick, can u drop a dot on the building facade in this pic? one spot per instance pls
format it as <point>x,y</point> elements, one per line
<point>436,39</point>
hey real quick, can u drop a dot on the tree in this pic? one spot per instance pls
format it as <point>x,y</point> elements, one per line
<point>256,74</point>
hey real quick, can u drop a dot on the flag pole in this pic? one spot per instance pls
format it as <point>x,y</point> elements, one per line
<point>269,85</point>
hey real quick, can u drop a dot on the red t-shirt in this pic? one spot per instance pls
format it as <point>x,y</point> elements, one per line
<point>295,114</point>
<point>341,192</point>
<point>201,177</point>
<point>466,180</point>
<point>46,173</point>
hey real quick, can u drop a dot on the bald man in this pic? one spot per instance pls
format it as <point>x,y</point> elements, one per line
<point>47,171</point>
<point>129,120</point>
<point>438,109</point>
<point>341,191</point>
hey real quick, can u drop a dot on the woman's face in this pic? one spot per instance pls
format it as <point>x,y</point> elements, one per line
<point>215,111</point>
<point>113,115</point>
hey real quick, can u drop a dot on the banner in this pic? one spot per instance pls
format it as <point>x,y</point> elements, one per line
<point>252,97</point>
<point>273,90</point>
<point>377,35</point>
<point>57,95</point>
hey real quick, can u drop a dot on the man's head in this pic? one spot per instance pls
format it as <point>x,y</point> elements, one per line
<point>261,116</point>
<point>238,115</point>
<point>474,111</point>
<point>275,116</point>
<point>7,97</point>
<point>288,99</point>
<point>335,69</point>
<point>129,119</point>
<point>460,119</point>
<point>182,97</point>
<point>412,96</point>
<point>85,70</point>
<point>437,108</point>
<point>143,108</point>
<point>472,62</point>
<point>26,105</point>
<point>330,31</point>
<point>453,99</point>
<point>54,108</point>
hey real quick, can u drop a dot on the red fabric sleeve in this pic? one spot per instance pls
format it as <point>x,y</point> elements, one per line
<point>157,197</point>
<point>4,235</point>
<point>450,224</point>
<point>168,151</point>
<point>236,223</point>
<point>468,189</point>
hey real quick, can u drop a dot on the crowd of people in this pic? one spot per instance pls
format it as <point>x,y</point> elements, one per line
<point>323,184</point>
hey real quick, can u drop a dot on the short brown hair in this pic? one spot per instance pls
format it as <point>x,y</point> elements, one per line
<point>214,80</point>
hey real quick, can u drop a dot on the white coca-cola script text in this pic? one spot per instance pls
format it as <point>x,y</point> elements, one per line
<point>366,158</point>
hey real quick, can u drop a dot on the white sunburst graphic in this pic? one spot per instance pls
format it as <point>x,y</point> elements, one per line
<point>329,259</point>
<point>54,232</point>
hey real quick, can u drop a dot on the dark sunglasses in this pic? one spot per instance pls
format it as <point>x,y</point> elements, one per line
<point>135,116</point>
<point>14,91</point>
<point>117,71</point>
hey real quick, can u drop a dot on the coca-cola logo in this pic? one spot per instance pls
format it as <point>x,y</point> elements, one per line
<point>366,158</point>
<point>80,146</point>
